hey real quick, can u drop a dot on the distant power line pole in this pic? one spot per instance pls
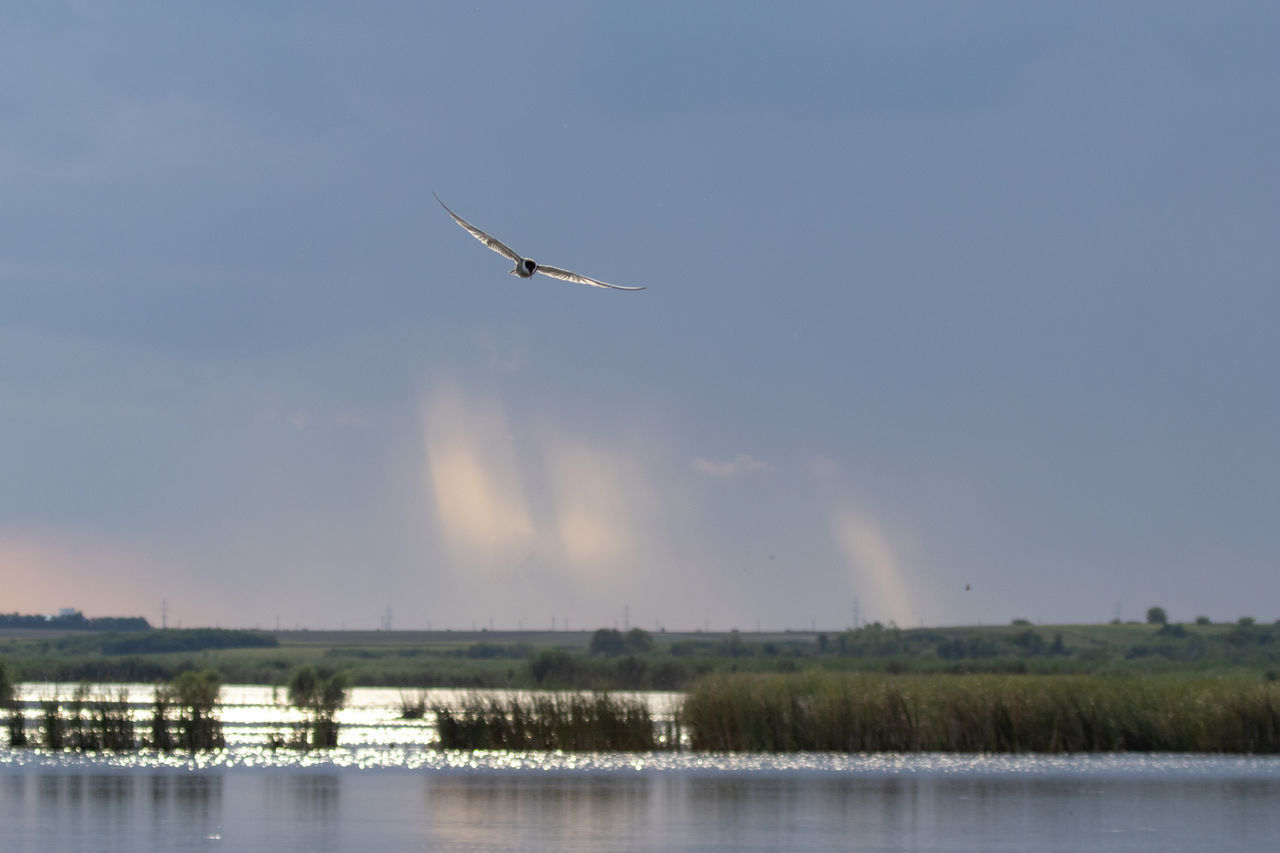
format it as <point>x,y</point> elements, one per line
<point>164,613</point>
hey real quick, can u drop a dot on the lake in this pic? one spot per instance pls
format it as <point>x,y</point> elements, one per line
<point>388,789</point>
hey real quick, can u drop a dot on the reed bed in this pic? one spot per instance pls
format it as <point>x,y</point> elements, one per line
<point>821,711</point>
<point>570,723</point>
<point>106,721</point>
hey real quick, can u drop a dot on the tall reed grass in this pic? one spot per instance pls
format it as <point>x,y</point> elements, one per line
<point>820,711</point>
<point>572,723</point>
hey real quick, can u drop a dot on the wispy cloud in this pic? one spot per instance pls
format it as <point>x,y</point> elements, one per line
<point>874,562</point>
<point>505,493</point>
<point>743,463</point>
<point>475,477</point>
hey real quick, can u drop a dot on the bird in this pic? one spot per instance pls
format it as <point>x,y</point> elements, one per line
<point>526,267</point>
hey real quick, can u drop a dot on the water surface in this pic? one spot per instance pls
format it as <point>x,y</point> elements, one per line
<point>388,789</point>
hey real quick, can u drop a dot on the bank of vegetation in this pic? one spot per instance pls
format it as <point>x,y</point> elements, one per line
<point>824,711</point>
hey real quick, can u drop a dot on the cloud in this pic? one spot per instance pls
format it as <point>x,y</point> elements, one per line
<point>507,495</point>
<point>741,464</point>
<point>874,563</point>
<point>475,478</point>
<point>596,493</point>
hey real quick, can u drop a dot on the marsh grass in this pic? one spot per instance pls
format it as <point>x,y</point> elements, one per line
<point>104,722</point>
<point>413,706</point>
<point>88,723</point>
<point>571,723</point>
<point>819,711</point>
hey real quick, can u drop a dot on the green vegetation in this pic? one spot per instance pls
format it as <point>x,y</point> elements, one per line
<point>640,660</point>
<point>105,722</point>
<point>74,621</point>
<point>820,711</point>
<point>572,723</point>
<point>195,694</point>
<point>163,641</point>
<point>9,702</point>
<point>321,699</point>
<point>413,707</point>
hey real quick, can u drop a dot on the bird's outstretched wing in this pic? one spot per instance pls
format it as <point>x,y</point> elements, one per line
<point>492,242</point>
<point>565,275</point>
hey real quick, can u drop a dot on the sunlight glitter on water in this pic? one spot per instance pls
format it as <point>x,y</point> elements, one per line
<point>871,766</point>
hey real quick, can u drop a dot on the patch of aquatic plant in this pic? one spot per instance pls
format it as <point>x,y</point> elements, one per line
<point>413,706</point>
<point>10,701</point>
<point>194,695</point>
<point>821,711</point>
<point>570,723</point>
<point>320,699</point>
<point>85,722</point>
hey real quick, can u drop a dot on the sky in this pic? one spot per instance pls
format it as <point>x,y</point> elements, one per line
<point>955,313</point>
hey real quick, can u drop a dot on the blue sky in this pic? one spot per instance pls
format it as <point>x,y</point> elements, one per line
<point>937,295</point>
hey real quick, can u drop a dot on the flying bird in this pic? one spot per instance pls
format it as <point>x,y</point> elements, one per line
<point>526,267</point>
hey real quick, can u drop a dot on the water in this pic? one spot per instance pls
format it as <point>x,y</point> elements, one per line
<point>389,790</point>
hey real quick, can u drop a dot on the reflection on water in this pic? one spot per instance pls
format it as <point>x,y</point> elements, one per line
<point>70,808</point>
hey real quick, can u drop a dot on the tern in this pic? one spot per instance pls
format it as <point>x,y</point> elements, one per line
<point>526,267</point>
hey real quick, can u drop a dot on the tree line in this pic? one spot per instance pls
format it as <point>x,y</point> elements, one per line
<point>75,621</point>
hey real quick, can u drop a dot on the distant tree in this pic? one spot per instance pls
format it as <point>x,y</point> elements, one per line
<point>1246,621</point>
<point>553,667</point>
<point>638,641</point>
<point>632,672</point>
<point>1157,616</point>
<point>1203,620</point>
<point>732,646</point>
<point>1030,641</point>
<point>608,641</point>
